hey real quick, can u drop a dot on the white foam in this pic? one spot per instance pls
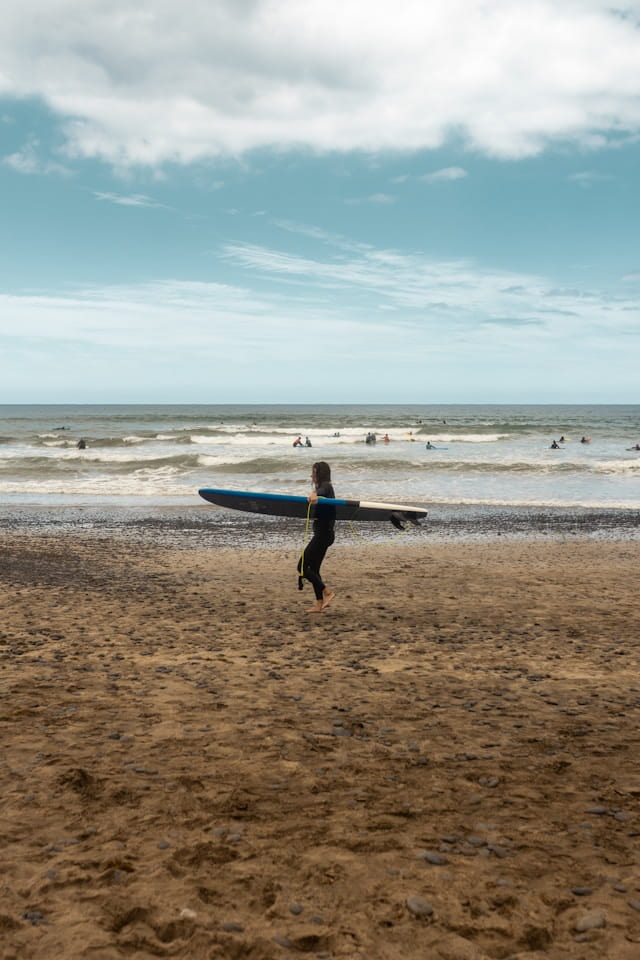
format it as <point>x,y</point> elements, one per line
<point>463,437</point>
<point>617,467</point>
<point>210,460</point>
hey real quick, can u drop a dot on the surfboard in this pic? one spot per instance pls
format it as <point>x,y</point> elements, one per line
<point>284,505</point>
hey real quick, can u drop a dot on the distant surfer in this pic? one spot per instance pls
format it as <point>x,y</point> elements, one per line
<point>430,446</point>
<point>82,445</point>
<point>555,445</point>
<point>298,442</point>
<point>307,442</point>
<point>323,536</point>
<point>386,438</point>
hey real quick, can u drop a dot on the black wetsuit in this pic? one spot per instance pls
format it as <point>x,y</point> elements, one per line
<point>323,537</point>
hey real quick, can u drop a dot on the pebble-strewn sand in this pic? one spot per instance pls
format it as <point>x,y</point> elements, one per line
<point>445,765</point>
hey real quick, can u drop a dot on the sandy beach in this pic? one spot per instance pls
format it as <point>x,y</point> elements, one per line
<point>445,764</point>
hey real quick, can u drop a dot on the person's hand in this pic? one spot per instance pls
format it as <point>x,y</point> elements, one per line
<point>313,497</point>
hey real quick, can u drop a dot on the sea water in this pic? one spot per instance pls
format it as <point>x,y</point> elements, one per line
<point>489,455</point>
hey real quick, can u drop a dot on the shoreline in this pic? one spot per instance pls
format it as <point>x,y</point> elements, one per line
<point>201,525</point>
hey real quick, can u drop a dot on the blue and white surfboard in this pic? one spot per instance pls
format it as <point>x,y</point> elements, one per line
<point>284,505</point>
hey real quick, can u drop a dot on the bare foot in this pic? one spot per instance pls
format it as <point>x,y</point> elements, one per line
<point>327,597</point>
<point>317,607</point>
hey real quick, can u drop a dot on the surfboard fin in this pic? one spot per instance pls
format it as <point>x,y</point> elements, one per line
<point>400,520</point>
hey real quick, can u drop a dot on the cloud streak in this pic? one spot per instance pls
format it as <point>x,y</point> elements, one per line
<point>588,178</point>
<point>362,289</point>
<point>441,295</point>
<point>159,83</point>
<point>446,174</point>
<point>408,319</point>
<point>132,200</point>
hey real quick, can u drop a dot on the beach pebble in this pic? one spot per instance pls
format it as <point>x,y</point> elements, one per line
<point>475,841</point>
<point>581,891</point>
<point>590,921</point>
<point>35,917</point>
<point>282,941</point>
<point>598,810</point>
<point>419,907</point>
<point>498,851</point>
<point>230,926</point>
<point>634,904</point>
<point>187,914</point>
<point>296,909</point>
<point>489,781</point>
<point>431,856</point>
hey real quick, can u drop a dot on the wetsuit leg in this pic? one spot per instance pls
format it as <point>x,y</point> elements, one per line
<point>314,554</point>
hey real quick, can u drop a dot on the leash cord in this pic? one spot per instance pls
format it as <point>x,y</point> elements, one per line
<point>304,545</point>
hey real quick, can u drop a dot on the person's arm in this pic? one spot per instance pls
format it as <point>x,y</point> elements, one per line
<point>324,490</point>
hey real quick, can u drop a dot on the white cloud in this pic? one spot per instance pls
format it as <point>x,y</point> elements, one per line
<point>23,161</point>
<point>27,161</point>
<point>133,200</point>
<point>379,198</point>
<point>396,313</point>
<point>588,178</point>
<point>445,298</point>
<point>445,174</point>
<point>430,298</point>
<point>160,82</point>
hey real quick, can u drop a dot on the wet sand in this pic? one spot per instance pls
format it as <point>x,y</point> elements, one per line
<point>444,764</point>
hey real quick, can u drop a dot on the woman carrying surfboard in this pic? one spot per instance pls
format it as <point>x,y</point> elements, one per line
<point>323,536</point>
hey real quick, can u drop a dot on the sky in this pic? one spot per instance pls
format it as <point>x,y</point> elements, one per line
<point>295,201</point>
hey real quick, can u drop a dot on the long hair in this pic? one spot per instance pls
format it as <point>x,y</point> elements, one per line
<point>322,472</point>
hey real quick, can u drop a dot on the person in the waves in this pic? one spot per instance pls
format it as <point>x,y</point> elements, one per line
<point>323,536</point>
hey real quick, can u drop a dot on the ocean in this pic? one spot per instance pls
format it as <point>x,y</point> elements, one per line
<point>481,455</point>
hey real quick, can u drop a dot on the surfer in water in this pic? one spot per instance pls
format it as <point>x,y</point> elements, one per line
<point>323,536</point>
